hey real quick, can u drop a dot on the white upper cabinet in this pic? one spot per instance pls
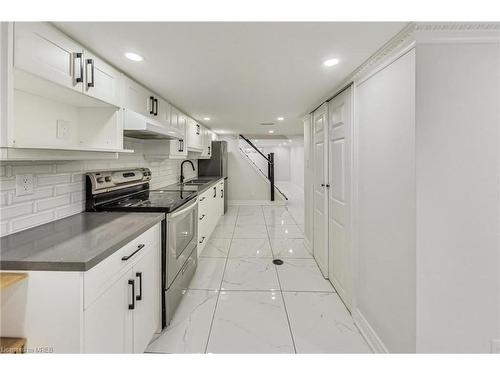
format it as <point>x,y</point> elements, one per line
<point>42,50</point>
<point>137,98</point>
<point>206,143</point>
<point>194,136</point>
<point>102,81</point>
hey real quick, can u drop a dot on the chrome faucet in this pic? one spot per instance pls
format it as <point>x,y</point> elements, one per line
<point>182,171</point>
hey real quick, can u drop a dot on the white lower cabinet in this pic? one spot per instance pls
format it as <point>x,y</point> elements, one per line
<point>124,318</point>
<point>115,307</point>
<point>210,209</point>
<point>108,322</point>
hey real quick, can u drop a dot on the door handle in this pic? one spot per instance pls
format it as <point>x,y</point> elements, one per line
<point>131,306</point>
<point>135,252</point>
<point>79,55</point>
<point>152,110</point>
<point>91,63</point>
<point>156,106</point>
<point>139,275</point>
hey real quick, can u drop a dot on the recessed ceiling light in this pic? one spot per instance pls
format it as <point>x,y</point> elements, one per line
<point>290,141</point>
<point>133,56</point>
<point>331,62</point>
<point>280,119</point>
<point>206,118</point>
<point>271,131</point>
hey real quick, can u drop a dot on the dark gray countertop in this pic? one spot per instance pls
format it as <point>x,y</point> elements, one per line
<point>76,243</point>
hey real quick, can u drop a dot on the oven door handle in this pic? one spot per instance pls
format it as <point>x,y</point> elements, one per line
<point>184,210</point>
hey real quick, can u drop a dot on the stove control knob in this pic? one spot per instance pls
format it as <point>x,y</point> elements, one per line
<point>100,180</point>
<point>107,178</point>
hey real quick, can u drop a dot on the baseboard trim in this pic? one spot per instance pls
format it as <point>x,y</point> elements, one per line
<point>255,203</point>
<point>368,332</point>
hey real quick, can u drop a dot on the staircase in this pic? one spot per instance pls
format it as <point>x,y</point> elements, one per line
<point>262,163</point>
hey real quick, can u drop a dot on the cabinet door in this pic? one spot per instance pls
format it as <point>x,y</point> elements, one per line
<point>108,321</point>
<point>42,50</point>
<point>137,98</point>
<point>147,298</point>
<point>194,135</point>
<point>162,111</point>
<point>220,203</point>
<point>102,81</point>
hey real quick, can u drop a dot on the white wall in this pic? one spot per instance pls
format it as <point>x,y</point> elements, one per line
<point>281,162</point>
<point>244,183</point>
<point>457,166</point>
<point>385,282</point>
<point>297,165</point>
<point>60,186</point>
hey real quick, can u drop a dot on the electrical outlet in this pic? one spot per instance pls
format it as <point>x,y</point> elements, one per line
<point>24,184</point>
<point>63,129</point>
<point>495,346</point>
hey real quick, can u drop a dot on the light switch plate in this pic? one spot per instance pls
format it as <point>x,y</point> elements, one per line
<point>24,184</point>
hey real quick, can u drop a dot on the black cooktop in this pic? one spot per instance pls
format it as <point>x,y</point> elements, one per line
<point>150,200</point>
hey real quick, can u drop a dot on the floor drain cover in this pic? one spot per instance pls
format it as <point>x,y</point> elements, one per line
<point>278,262</point>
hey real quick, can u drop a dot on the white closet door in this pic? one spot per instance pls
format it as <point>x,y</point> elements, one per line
<point>339,194</point>
<point>320,215</point>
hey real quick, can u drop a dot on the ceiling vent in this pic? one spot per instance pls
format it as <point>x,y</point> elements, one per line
<point>267,123</point>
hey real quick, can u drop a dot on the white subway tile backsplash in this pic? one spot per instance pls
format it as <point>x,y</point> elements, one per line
<point>46,204</point>
<point>31,221</point>
<point>72,209</point>
<point>4,199</point>
<point>7,184</point>
<point>9,212</point>
<point>32,168</point>
<point>69,188</point>
<point>77,197</point>
<point>60,186</point>
<point>52,179</point>
<point>38,193</point>
<point>4,227</point>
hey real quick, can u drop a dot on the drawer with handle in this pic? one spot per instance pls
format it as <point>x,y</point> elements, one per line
<point>100,277</point>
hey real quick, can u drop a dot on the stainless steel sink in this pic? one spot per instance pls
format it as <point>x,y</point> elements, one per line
<point>196,182</point>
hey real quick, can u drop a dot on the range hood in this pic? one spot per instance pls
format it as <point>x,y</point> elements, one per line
<point>139,126</point>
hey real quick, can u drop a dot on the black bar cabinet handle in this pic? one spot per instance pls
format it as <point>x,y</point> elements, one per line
<point>208,150</point>
<point>197,129</point>
<point>91,63</point>
<point>156,106</point>
<point>222,193</point>
<point>202,216</point>
<point>131,306</point>
<point>79,55</point>
<point>127,257</point>
<point>202,239</point>
<point>180,145</point>
<point>139,275</point>
<point>215,191</point>
<point>152,111</point>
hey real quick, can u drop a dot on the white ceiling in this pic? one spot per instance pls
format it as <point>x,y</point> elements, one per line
<point>238,74</point>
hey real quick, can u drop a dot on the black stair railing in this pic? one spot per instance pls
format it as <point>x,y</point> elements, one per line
<point>270,164</point>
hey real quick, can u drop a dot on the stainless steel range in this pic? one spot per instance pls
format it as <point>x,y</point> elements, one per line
<point>129,191</point>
